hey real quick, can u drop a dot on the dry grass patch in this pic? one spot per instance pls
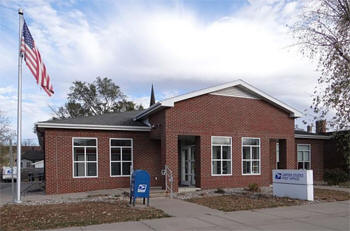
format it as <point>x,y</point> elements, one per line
<point>32,217</point>
<point>230,203</point>
<point>331,195</point>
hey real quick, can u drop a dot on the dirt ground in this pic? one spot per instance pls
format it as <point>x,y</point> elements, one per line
<point>33,217</point>
<point>248,200</point>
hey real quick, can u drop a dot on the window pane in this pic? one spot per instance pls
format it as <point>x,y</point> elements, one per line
<point>246,167</point>
<point>255,153</point>
<point>91,154</point>
<point>300,156</point>
<point>115,154</point>
<point>307,165</point>
<point>226,167</point>
<point>84,142</point>
<point>216,152</point>
<point>121,142</point>
<point>306,156</point>
<point>79,169</point>
<point>126,153</point>
<point>221,140</point>
<point>226,152</point>
<point>255,167</point>
<point>91,169</point>
<point>246,152</point>
<point>126,168</point>
<point>302,147</point>
<point>300,165</point>
<point>79,154</point>
<point>216,167</point>
<point>249,141</point>
<point>115,168</point>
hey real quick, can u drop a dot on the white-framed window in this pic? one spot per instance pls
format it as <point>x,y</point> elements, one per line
<point>84,157</point>
<point>304,156</point>
<point>221,155</point>
<point>121,156</point>
<point>251,156</point>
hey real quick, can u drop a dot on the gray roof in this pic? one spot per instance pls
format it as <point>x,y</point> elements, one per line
<point>304,132</point>
<point>33,155</point>
<point>112,118</point>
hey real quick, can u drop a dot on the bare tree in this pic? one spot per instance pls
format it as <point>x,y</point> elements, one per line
<point>323,33</point>
<point>4,127</point>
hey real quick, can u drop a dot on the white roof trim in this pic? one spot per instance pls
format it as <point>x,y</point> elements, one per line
<point>171,101</point>
<point>317,137</point>
<point>92,127</point>
<point>148,111</point>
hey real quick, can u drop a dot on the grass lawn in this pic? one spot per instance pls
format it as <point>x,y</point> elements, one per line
<point>249,201</point>
<point>32,217</point>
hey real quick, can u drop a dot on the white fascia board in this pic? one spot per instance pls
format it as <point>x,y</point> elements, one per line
<point>317,137</point>
<point>92,127</point>
<point>148,111</point>
<point>293,112</point>
<point>171,101</point>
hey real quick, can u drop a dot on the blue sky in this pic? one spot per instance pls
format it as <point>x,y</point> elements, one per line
<point>177,45</point>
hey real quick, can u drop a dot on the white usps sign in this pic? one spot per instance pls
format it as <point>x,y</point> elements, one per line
<point>288,176</point>
<point>293,183</point>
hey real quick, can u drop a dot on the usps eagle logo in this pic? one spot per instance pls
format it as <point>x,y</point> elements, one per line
<point>141,188</point>
<point>278,176</point>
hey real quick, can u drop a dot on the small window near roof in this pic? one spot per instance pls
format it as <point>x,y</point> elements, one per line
<point>304,156</point>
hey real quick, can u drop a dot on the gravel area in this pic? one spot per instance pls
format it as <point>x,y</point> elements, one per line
<point>225,191</point>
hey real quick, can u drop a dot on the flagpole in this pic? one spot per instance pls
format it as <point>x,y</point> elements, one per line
<point>19,108</point>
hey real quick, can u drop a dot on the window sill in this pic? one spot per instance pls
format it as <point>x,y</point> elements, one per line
<point>84,177</point>
<point>221,174</point>
<point>121,176</point>
<point>251,174</point>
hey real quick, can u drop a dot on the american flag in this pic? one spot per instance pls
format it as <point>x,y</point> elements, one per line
<point>33,60</point>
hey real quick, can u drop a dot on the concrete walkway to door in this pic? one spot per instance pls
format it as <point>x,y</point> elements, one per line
<point>189,216</point>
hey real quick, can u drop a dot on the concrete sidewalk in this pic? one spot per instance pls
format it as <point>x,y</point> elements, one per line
<point>189,216</point>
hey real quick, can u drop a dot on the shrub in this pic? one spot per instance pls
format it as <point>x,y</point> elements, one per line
<point>253,187</point>
<point>335,176</point>
<point>220,191</point>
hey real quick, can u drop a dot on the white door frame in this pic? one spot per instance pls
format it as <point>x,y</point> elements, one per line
<point>189,152</point>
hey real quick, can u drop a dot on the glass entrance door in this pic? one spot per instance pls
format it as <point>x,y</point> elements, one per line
<point>188,165</point>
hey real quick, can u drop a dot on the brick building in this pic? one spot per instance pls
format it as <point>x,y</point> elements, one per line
<point>224,136</point>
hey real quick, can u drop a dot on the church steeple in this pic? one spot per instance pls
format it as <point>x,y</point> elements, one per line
<point>153,100</point>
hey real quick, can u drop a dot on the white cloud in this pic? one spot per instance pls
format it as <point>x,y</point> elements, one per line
<point>171,48</point>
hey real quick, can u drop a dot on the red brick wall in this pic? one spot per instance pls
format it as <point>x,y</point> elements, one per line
<point>204,116</point>
<point>58,160</point>
<point>212,115</point>
<point>317,156</point>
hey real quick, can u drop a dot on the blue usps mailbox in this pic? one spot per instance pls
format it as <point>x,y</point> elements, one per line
<point>140,186</point>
